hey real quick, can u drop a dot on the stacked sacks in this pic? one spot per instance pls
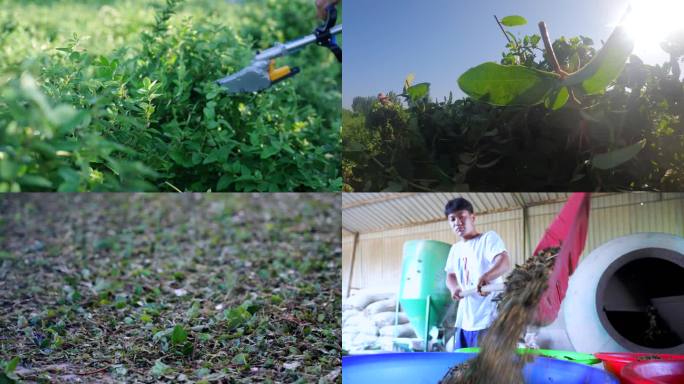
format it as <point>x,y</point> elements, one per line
<point>368,322</point>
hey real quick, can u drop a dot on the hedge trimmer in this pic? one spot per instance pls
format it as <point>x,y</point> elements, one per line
<point>261,73</point>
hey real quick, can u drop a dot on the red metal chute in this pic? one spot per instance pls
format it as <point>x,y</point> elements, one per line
<point>569,231</point>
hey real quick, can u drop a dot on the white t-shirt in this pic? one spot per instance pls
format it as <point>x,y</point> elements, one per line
<point>469,260</point>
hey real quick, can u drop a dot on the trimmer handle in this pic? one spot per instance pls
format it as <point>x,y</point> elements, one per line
<point>487,289</point>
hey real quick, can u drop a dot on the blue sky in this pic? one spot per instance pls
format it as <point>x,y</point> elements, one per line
<point>438,40</point>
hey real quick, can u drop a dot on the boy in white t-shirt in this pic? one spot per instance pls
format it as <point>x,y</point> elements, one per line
<point>477,260</point>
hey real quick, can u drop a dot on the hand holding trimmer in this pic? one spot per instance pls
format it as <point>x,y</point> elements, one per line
<point>496,287</point>
<point>262,71</point>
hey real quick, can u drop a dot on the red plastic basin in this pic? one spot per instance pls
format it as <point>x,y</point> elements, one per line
<point>654,372</point>
<point>615,362</point>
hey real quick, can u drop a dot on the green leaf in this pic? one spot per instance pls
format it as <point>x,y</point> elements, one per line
<point>236,317</point>
<point>513,21</point>
<point>62,114</point>
<point>102,285</point>
<point>269,151</point>
<point>7,379</point>
<point>219,154</point>
<point>159,369</point>
<point>201,372</point>
<point>507,84</point>
<point>193,312</point>
<point>619,156</point>
<point>196,158</point>
<point>239,359</point>
<point>418,91</point>
<point>180,156</point>
<point>11,365</point>
<point>35,181</point>
<point>557,99</point>
<point>209,111</point>
<point>534,39</point>
<point>8,169</point>
<point>250,306</point>
<point>77,119</point>
<point>574,62</point>
<point>187,348</point>
<point>606,66</point>
<point>179,335</point>
<point>224,182</point>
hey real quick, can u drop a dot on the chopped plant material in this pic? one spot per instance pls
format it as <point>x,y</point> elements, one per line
<point>498,361</point>
<point>98,302</point>
<point>458,373</point>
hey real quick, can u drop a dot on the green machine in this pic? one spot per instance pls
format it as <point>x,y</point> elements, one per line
<point>423,294</point>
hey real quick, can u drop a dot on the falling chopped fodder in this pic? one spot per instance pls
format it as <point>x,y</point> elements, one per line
<point>497,362</point>
<point>459,373</point>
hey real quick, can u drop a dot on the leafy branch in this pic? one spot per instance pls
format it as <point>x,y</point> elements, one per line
<point>574,118</point>
<point>506,85</point>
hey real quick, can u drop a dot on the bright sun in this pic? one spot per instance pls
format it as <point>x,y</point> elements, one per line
<point>651,21</point>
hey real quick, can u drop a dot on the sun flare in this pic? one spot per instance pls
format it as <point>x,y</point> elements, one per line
<point>650,22</point>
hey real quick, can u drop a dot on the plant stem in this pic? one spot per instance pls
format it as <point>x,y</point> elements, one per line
<point>551,55</point>
<point>503,31</point>
<point>512,42</point>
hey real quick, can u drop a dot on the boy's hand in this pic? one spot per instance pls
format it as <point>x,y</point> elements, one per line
<point>484,280</point>
<point>456,294</point>
<point>321,6</point>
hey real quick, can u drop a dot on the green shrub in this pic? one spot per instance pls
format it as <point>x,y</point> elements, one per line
<point>627,136</point>
<point>149,116</point>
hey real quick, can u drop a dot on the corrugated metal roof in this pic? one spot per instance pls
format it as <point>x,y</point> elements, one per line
<point>369,212</point>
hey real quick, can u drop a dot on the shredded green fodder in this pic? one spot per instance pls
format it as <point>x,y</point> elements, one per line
<point>497,361</point>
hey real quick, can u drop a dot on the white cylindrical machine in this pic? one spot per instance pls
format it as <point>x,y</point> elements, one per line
<point>628,295</point>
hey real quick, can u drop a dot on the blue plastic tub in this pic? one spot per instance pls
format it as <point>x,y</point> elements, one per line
<point>430,367</point>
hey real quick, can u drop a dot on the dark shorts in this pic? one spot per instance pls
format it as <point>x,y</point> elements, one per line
<point>467,339</point>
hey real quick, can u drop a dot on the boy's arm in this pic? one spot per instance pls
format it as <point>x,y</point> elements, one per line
<point>501,265</point>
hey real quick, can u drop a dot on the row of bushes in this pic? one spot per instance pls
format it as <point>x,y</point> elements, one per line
<point>143,112</point>
<point>628,137</point>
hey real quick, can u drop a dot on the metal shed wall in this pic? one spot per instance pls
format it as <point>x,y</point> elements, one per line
<point>368,212</point>
<point>378,256</point>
